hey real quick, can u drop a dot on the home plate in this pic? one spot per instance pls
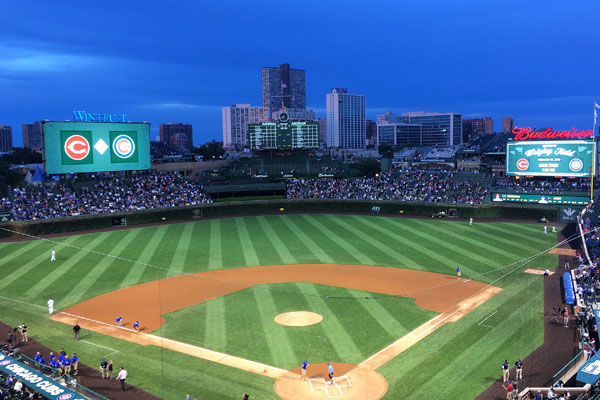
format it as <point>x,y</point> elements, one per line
<point>537,271</point>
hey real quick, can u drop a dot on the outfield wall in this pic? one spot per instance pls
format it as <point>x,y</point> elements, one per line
<point>103,221</point>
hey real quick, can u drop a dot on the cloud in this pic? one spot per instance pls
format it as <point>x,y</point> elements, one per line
<point>33,58</point>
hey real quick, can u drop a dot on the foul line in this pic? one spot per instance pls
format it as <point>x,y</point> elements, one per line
<point>104,347</point>
<point>488,317</point>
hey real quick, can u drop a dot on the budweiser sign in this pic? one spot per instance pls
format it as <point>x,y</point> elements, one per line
<point>527,133</point>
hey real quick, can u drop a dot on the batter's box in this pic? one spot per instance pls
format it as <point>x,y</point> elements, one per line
<point>334,391</point>
<point>317,383</point>
<point>342,381</point>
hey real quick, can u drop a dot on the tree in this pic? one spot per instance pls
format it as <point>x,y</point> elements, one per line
<point>369,167</point>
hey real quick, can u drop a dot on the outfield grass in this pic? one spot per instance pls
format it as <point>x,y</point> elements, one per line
<point>459,361</point>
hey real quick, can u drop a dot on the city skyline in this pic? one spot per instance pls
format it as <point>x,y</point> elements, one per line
<point>492,59</point>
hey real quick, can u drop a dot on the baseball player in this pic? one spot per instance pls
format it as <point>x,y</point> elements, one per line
<point>545,229</point>
<point>458,272</point>
<point>330,373</point>
<point>136,326</point>
<point>470,221</point>
<point>304,366</point>
<point>50,305</point>
<point>119,321</point>
<point>53,255</point>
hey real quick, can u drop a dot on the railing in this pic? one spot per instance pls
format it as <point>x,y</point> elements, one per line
<point>70,381</point>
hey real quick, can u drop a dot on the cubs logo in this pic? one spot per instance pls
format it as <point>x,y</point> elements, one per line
<point>575,165</point>
<point>5,362</point>
<point>522,164</point>
<point>65,396</point>
<point>123,146</point>
<point>77,147</point>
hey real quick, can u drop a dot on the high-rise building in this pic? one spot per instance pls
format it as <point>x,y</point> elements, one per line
<point>391,117</point>
<point>235,123</point>
<point>6,142</point>
<point>322,132</point>
<point>177,134</point>
<point>507,124</point>
<point>489,125</point>
<point>295,114</point>
<point>472,127</point>
<point>399,134</point>
<point>438,129</point>
<point>346,126</point>
<point>371,133</point>
<point>32,136</point>
<point>283,87</point>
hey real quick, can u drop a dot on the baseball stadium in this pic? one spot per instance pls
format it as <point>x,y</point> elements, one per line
<point>299,275</point>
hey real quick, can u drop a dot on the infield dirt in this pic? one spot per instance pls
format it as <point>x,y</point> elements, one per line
<point>147,302</point>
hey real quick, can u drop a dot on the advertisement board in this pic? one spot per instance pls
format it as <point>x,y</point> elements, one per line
<point>36,381</point>
<point>551,158</point>
<point>71,147</point>
<point>539,198</point>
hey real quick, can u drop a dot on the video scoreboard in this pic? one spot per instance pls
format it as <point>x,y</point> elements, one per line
<point>284,134</point>
<point>71,147</point>
<point>575,158</point>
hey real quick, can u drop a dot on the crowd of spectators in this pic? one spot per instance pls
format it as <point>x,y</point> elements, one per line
<point>550,186</point>
<point>143,191</point>
<point>416,186</point>
<point>12,388</point>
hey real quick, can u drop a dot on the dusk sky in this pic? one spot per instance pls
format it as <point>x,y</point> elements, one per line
<point>181,61</point>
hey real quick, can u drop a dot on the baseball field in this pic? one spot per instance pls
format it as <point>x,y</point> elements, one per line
<point>208,293</point>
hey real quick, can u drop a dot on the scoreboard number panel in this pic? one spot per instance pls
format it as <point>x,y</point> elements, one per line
<point>569,158</point>
<point>72,147</point>
<point>284,134</point>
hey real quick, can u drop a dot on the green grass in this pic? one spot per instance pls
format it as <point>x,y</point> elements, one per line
<point>353,328</point>
<point>458,361</point>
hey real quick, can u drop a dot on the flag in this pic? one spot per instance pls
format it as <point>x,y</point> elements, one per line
<point>596,106</point>
<point>283,85</point>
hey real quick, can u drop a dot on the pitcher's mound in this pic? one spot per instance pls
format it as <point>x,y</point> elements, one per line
<point>350,382</point>
<point>299,318</point>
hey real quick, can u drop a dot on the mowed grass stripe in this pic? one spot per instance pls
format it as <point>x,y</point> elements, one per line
<point>447,260</point>
<point>478,231</point>
<point>215,329</point>
<point>185,239</point>
<point>277,339</point>
<point>247,247</point>
<point>42,259</point>
<point>63,266</point>
<point>278,244</point>
<point>469,242</point>
<point>334,330</point>
<point>197,255</point>
<point>136,269</point>
<point>311,245</point>
<point>341,242</point>
<point>531,236</point>
<point>168,245</point>
<point>401,240</point>
<point>386,320</point>
<point>395,255</point>
<point>31,247</point>
<point>215,253</point>
<point>82,287</point>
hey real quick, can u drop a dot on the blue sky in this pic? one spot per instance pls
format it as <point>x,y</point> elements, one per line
<point>181,61</point>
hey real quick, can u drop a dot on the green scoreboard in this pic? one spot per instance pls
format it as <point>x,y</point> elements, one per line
<point>71,147</point>
<point>284,134</point>
<point>551,158</point>
<point>539,198</point>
